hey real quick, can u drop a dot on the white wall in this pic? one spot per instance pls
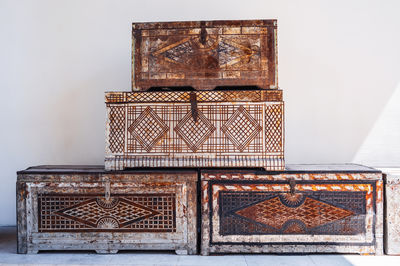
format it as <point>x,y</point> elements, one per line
<point>339,65</point>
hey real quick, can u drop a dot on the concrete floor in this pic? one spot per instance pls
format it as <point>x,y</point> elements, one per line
<point>8,256</point>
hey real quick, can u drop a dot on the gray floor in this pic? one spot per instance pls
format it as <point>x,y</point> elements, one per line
<point>8,256</point>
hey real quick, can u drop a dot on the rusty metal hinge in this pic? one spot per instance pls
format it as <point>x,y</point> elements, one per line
<point>193,105</point>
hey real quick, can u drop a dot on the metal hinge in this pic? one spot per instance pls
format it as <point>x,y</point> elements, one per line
<point>193,105</point>
<point>203,33</point>
<point>292,184</point>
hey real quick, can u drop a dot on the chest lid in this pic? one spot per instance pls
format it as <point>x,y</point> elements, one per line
<point>204,54</point>
<point>97,173</point>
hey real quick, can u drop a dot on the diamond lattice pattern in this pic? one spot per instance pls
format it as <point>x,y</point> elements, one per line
<point>117,128</point>
<point>241,128</point>
<point>194,133</point>
<point>148,129</point>
<point>124,212</point>
<point>273,128</point>
<point>311,213</point>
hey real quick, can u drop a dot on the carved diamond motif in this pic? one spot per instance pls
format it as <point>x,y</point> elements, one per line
<point>241,128</point>
<point>123,213</point>
<point>311,213</point>
<point>194,133</point>
<point>148,129</point>
<point>214,53</point>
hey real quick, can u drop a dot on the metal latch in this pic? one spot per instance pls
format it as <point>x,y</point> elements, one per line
<point>193,105</point>
<point>203,33</point>
<point>292,184</point>
<point>107,192</point>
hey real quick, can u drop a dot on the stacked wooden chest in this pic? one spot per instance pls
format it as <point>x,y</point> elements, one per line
<point>204,107</point>
<point>304,209</point>
<point>87,208</point>
<point>231,116</point>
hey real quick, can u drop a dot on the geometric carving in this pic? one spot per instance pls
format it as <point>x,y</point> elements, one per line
<point>190,54</point>
<point>231,130</point>
<point>107,223</point>
<point>133,212</point>
<point>117,128</point>
<point>204,55</point>
<point>273,128</point>
<point>148,129</point>
<point>202,96</point>
<point>316,213</point>
<point>241,128</point>
<point>122,214</point>
<point>194,133</point>
<point>311,213</point>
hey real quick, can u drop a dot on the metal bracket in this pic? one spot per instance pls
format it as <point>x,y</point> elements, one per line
<point>203,33</point>
<point>193,105</point>
<point>292,184</point>
<point>107,191</point>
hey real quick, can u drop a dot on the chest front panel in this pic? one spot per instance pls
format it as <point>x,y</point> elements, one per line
<point>290,212</point>
<point>121,212</point>
<point>316,212</point>
<point>107,212</point>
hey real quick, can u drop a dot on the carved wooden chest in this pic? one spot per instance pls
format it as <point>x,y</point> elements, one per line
<point>204,54</point>
<point>305,209</point>
<point>392,210</point>
<point>86,208</point>
<point>228,128</point>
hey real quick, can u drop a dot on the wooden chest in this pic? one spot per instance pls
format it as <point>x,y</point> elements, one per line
<point>305,209</point>
<point>204,54</point>
<point>195,129</point>
<point>86,208</point>
<point>392,210</point>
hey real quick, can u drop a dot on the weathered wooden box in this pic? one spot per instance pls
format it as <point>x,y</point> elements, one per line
<point>86,208</point>
<point>204,54</point>
<point>305,209</point>
<point>392,210</point>
<point>227,128</point>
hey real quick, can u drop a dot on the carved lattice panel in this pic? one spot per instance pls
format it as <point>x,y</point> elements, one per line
<point>116,136</point>
<point>202,96</point>
<point>133,212</point>
<point>274,128</point>
<point>240,129</point>
<point>333,213</point>
<point>194,133</point>
<point>148,129</point>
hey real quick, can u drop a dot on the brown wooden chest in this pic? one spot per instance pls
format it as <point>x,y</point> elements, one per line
<point>229,128</point>
<point>304,209</point>
<point>204,54</point>
<point>86,208</point>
